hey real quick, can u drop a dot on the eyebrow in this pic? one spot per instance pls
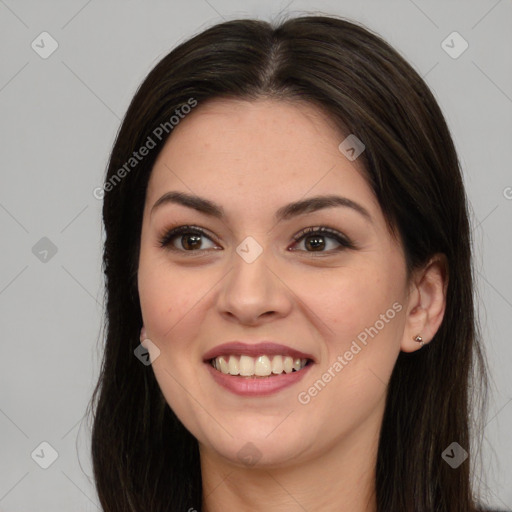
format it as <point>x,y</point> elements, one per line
<point>286,212</point>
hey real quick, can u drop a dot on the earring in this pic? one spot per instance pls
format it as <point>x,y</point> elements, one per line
<point>419,339</point>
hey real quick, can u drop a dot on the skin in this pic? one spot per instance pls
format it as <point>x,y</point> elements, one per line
<point>252,158</point>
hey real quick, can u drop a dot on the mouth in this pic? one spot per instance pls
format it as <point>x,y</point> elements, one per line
<point>258,367</point>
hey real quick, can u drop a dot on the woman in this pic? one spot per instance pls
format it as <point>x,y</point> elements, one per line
<point>288,245</point>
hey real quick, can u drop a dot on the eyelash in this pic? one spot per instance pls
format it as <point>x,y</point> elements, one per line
<point>345,243</point>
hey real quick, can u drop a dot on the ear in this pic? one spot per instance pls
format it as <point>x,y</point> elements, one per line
<point>143,334</point>
<point>427,303</point>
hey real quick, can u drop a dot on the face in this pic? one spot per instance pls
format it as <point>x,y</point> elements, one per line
<point>253,272</point>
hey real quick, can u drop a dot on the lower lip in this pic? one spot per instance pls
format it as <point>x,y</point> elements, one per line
<point>257,386</point>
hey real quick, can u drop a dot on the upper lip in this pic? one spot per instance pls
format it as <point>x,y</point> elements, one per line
<point>255,349</point>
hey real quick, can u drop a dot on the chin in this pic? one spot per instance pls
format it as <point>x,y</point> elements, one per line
<point>259,450</point>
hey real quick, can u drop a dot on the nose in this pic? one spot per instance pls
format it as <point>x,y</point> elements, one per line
<point>253,293</point>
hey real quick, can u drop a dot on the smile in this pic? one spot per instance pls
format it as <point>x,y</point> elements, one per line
<point>260,366</point>
<point>252,385</point>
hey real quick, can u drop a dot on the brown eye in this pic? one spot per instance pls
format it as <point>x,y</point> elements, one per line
<point>316,240</point>
<point>191,241</point>
<point>185,239</point>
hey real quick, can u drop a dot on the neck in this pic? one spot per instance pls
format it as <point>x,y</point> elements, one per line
<point>341,479</point>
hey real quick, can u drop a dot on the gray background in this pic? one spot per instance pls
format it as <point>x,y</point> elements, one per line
<point>59,117</point>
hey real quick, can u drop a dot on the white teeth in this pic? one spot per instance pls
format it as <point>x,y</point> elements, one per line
<point>246,366</point>
<point>222,364</point>
<point>233,366</point>
<point>261,366</point>
<point>277,365</point>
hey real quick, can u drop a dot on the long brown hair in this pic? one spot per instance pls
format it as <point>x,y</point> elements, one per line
<point>143,457</point>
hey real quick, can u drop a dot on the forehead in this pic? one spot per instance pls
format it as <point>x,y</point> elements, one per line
<point>254,128</point>
<point>255,152</point>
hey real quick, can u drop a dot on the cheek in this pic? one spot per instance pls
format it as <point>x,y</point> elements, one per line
<point>349,300</point>
<point>361,314</point>
<point>156,298</point>
<point>170,302</point>
<point>167,295</point>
